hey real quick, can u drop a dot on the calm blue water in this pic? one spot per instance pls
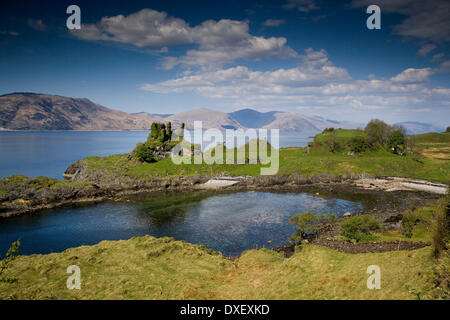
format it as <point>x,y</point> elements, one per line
<point>50,153</point>
<point>230,223</point>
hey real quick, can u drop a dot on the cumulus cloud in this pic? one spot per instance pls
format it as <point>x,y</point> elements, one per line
<point>424,19</point>
<point>218,42</point>
<point>247,48</point>
<point>412,75</point>
<point>316,69</point>
<point>316,82</point>
<point>143,28</point>
<point>226,41</point>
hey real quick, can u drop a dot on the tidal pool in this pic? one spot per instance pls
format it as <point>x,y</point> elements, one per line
<point>227,222</point>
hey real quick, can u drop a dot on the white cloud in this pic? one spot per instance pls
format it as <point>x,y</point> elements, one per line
<point>442,91</point>
<point>412,75</point>
<point>143,28</point>
<point>218,42</point>
<point>316,82</point>
<point>316,69</point>
<point>226,41</point>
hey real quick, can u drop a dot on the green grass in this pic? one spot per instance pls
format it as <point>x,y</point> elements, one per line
<point>149,268</point>
<point>17,182</point>
<point>292,160</point>
<point>342,136</point>
<point>433,137</point>
<point>429,164</point>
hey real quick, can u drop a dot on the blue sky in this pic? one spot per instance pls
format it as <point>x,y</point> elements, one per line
<point>305,56</point>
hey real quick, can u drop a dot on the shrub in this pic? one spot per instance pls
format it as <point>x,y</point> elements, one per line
<point>331,142</point>
<point>144,153</point>
<point>359,228</point>
<point>448,129</point>
<point>12,254</point>
<point>309,223</point>
<point>409,221</point>
<point>378,133</point>
<point>358,144</point>
<point>396,142</point>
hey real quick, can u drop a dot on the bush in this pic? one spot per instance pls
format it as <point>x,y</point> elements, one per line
<point>396,142</point>
<point>448,129</point>
<point>358,144</point>
<point>378,133</point>
<point>409,221</point>
<point>331,142</point>
<point>359,228</point>
<point>309,223</point>
<point>144,153</point>
<point>12,254</point>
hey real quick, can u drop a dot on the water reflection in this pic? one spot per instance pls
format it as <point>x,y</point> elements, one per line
<point>226,222</point>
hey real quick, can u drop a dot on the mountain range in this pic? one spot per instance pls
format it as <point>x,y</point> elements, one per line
<point>32,111</point>
<point>413,127</point>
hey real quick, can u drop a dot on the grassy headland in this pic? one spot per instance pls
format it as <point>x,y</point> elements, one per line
<point>428,159</point>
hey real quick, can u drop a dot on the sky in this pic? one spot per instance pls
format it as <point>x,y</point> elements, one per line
<point>313,57</point>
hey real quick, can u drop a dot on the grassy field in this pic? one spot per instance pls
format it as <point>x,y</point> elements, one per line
<point>430,161</point>
<point>151,268</point>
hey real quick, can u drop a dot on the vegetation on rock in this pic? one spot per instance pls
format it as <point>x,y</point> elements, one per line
<point>309,224</point>
<point>359,228</point>
<point>158,145</point>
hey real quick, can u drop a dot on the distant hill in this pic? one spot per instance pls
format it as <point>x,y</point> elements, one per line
<point>413,127</point>
<point>253,119</point>
<point>286,121</point>
<point>209,118</point>
<point>31,111</point>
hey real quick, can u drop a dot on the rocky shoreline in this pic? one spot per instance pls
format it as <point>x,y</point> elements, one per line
<point>24,199</point>
<point>354,248</point>
<point>86,185</point>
